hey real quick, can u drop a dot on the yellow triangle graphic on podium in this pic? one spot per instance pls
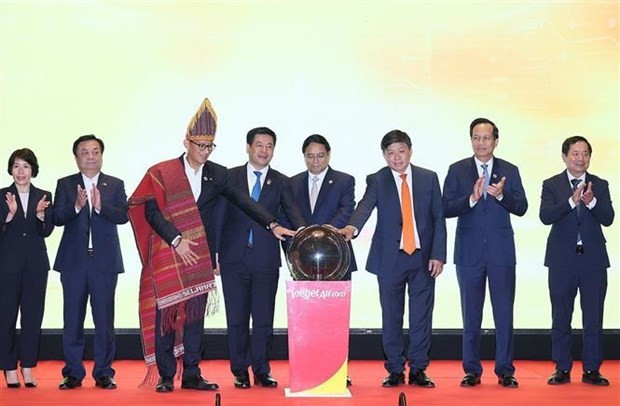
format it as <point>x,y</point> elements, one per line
<point>337,384</point>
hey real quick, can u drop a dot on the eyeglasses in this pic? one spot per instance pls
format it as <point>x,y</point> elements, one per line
<point>477,138</point>
<point>320,156</point>
<point>204,147</point>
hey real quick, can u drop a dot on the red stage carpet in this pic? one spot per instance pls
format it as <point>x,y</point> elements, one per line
<point>366,389</point>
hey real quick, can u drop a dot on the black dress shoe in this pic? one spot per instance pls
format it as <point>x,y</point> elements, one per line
<point>559,377</point>
<point>420,378</point>
<point>12,385</point>
<point>393,379</point>
<point>470,379</point>
<point>242,380</point>
<point>508,381</point>
<point>70,382</point>
<point>197,382</point>
<point>164,385</point>
<point>594,378</point>
<point>105,382</point>
<point>265,380</point>
<point>29,384</point>
<point>349,381</point>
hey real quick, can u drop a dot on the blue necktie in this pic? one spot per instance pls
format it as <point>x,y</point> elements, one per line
<point>254,195</point>
<point>487,179</point>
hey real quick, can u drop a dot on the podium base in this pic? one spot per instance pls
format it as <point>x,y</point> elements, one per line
<point>309,394</point>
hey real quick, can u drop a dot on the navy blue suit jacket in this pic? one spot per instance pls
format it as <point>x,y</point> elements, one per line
<point>487,225</point>
<point>72,251</point>
<point>382,193</point>
<point>334,204</point>
<point>22,240</point>
<point>566,224</point>
<point>235,225</point>
<point>216,185</point>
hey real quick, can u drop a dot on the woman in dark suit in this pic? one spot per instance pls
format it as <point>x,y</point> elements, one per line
<point>26,218</point>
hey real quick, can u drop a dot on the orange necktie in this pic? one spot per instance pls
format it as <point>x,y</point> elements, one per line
<point>408,220</point>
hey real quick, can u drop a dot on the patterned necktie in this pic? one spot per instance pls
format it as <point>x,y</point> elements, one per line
<point>487,179</point>
<point>408,221</point>
<point>254,195</point>
<point>314,192</point>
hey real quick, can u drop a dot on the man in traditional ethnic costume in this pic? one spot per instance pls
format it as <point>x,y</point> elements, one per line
<point>172,212</point>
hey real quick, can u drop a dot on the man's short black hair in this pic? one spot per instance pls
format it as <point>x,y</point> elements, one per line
<point>249,139</point>
<point>89,137</point>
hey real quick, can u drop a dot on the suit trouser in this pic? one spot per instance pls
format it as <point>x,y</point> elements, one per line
<point>22,291</point>
<point>472,285</point>
<point>192,349</point>
<point>563,286</point>
<point>413,275</point>
<point>77,287</point>
<point>249,291</point>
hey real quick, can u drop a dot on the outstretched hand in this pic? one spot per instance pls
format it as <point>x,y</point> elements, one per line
<point>280,232</point>
<point>186,253</point>
<point>348,232</point>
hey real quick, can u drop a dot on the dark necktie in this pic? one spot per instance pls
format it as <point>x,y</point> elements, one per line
<point>575,183</point>
<point>254,195</point>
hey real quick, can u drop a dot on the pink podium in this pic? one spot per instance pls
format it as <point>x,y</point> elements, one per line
<point>318,337</point>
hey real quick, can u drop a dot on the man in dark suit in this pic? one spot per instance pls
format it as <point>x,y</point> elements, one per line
<point>324,195</point>
<point>407,253</point>
<point>90,205</point>
<point>576,204</point>
<point>249,260</point>
<point>173,215</point>
<point>482,191</point>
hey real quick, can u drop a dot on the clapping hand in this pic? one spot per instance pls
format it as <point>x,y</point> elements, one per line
<point>588,194</point>
<point>42,205</point>
<point>96,196</point>
<point>478,189</point>
<point>496,189</point>
<point>81,199</point>
<point>12,204</point>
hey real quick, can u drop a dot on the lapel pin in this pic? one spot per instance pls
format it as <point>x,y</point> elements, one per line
<point>104,184</point>
<point>330,181</point>
<point>207,179</point>
<point>268,181</point>
<point>494,176</point>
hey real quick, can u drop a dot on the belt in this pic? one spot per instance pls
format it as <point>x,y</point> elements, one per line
<point>90,252</point>
<point>579,250</point>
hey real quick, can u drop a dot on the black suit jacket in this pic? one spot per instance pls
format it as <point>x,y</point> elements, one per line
<point>235,225</point>
<point>72,252</point>
<point>22,240</point>
<point>382,194</point>
<point>484,229</point>
<point>566,223</point>
<point>334,204</point>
